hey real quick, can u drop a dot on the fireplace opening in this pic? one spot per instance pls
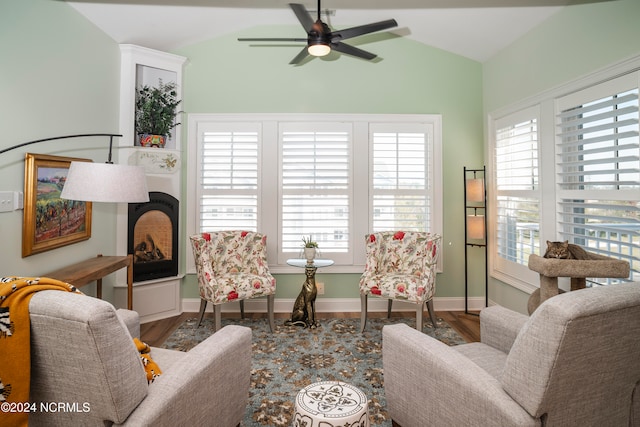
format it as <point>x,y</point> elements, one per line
<point>153,237</point>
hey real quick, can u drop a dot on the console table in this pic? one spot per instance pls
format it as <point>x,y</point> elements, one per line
<point>93,270</point>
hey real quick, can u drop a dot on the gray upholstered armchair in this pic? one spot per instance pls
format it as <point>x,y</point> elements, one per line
<point>82,353</point>
<point>574,362</point>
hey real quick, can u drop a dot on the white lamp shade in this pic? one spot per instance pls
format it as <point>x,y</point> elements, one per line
<point>475,227</point>
<point>319,49</point>
<point>475,190</point>
<point>105,182</point>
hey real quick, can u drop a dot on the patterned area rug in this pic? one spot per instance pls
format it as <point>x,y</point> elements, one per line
<point>293,357</point>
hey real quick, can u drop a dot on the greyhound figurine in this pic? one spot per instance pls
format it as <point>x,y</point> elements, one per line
<point>304,309</point>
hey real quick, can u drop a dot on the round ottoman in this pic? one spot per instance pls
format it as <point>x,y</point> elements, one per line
<point>331,404</point>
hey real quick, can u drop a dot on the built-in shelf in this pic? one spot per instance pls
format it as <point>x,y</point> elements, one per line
<point>143,66</point>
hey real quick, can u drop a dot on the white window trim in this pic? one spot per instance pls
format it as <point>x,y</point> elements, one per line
<point>271,192</point>
<point>522,278</point>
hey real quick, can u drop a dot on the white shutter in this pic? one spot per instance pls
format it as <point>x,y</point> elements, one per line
<point>315,180</point>
<point>291,176</point>
<point>517,217</point>
<point>228,175</point>
<point>598,159</point>
<point>598,146</point>
<point>517,156</point>
<point>402,171</point>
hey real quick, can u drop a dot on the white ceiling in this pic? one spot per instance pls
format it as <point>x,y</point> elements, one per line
<point>476,29</point>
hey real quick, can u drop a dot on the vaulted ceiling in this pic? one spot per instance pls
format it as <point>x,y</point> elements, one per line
<point>476,29</point>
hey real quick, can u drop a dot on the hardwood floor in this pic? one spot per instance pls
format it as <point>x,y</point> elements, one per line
<point>156,333</point>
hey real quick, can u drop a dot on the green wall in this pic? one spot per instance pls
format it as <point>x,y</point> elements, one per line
<point>59,76</point>
<point>224,75</point>
<point>572,43</point>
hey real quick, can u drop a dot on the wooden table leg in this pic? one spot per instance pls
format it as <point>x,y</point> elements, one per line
<point>99,284</point>
<point>130,283</point>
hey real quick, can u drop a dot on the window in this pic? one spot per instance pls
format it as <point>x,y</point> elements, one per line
<point>584,169</point>
<point>316,185</point>
<point>599,170</point>
<point>332,177</point>
<point>402,174</point>
<point>517,207</point>
<point>228,171</point>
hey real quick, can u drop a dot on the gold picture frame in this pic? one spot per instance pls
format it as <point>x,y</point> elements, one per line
<point>50,222</point>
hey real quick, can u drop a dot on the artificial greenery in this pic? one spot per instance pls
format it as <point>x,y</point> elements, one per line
<point>309,243</point>
<point>156,109</point>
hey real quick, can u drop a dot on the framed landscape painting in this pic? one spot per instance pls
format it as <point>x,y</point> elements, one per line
<point>50,222</point>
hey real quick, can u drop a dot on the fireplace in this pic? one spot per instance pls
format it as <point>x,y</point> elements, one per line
<point>153,237</point>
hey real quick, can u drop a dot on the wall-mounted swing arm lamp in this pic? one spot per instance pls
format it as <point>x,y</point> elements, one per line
<point>100,182</point>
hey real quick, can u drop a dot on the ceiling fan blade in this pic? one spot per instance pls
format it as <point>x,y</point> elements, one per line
<point>363,29</point>
<point>353,51</point>
<point>303,16</point>
<point>272,39</point>
<point>276,39</point>
<point>300,57</point>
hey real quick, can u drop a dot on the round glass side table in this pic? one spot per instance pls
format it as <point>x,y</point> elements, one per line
<point>302,263</point>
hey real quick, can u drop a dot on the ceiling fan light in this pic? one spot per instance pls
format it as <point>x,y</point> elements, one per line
<point>319,49</point>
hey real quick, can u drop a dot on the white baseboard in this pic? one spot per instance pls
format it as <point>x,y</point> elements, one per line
<point>337,305</point>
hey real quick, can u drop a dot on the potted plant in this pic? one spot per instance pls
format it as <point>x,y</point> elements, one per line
<point>156,111</point>
<point>310,248</point>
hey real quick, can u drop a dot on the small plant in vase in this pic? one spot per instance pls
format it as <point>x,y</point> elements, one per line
<point>156,111</point>
<point>310,247</point>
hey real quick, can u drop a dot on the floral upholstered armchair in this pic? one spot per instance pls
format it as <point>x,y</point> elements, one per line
<point>401,265</point>
<point>232,266</point>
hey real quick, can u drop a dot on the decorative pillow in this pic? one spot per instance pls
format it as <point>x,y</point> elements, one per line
<point>151,368</point>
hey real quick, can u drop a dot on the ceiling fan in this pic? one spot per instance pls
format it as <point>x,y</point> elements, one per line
<point>321,40</point>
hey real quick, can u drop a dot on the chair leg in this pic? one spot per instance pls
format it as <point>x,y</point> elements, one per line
<point>432,313</point>
<point>203,307</point>
<point>363,312</point>
<point>217,315</point>
<point>242,309</point>
<point>389,305</point>
<point>270,303</point>
<point>419,310</point>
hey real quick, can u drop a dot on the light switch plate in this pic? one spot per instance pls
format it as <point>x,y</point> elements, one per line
<point>10,201</point>
<point>6,201</point>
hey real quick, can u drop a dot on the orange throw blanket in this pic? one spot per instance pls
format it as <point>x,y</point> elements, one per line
<point>151,368</point>
<point>15,344</point>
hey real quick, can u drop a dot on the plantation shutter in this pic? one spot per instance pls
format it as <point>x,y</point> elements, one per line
<point>315,180</point>
<point>402,174</point>
<point>517,186</point>
<point>228,175</point>
<point>598,158</point>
